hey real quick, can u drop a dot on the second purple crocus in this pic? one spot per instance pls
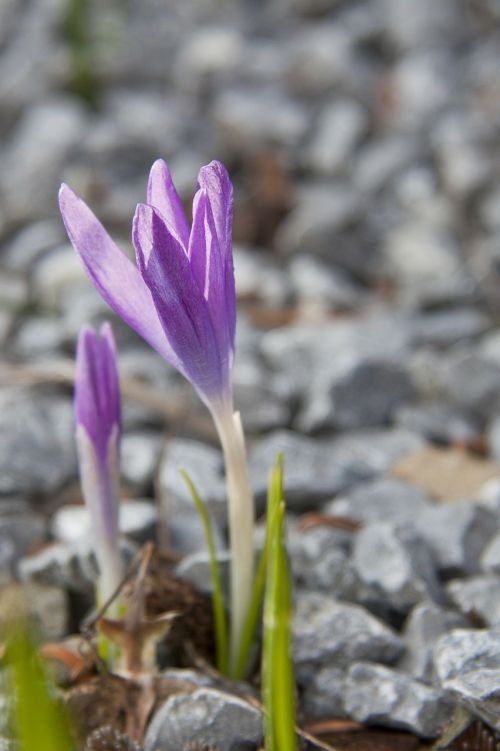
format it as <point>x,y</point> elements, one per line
<point>98,432</point>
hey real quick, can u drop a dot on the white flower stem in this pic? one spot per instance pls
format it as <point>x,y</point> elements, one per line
<point>241,513</point>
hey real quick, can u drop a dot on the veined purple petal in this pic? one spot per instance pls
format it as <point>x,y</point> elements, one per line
<point>179,302</point>
<point>163,196</point>
<point>207,267</point>
<point>97,391</point>
<point>214,179</point>
<point>116,278</point>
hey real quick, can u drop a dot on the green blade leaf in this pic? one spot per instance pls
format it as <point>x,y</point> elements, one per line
<point>220,621</point>
<point>278,685</point>
<point>39,720</point>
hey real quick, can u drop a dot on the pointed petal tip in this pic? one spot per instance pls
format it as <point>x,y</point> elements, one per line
<point>106,334</point>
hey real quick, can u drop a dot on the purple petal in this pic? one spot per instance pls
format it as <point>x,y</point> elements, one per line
<point>214,179</point>
<point>179,301</point>
<point>116,278</point>
<point>163,196</point>
<point>207,267</point>
<point>97,391</point>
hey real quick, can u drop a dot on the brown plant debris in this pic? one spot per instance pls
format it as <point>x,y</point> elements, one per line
<point>103,701</point>
<point>466,733</point>
<point>192,630</point>
<point>107,738</point>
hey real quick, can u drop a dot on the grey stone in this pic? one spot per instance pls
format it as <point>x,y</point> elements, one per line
<point>334,634</point>
<point>137,520</point>
<point>13,291</point>
<point>438,422</point>
<point>493,437</point>
<point>317,469</point>
<point>6,323</point>
<point>419,255</point>
<point>81,304</point>
<point>260,407</point>
<point>425,84</point>
<point>18,533</point>
<point>196,568</point>
<point>249,119</point>
<point>467,664</point>
<point>341,125</point>
<point>377,695</point>
<point>490,559</point>
<point>28,243</point>
<point>361,394</point>
<point>71,567</point>
<point>420,24</point>
<point>465,169</point>
<point>257,278</point>
<point>209,53</point>
<point>317,285</point>
<point>318,556</point>
<point>375,451</point>
<point>313,471</point>
<point>384,498</point>
<point>45,136</point>
<point>55,274</point>
<point>424,625</point>
<point>335,392</point>
<point>477,597</point>
<point>319,57</point>
<point>466,650</point>
<point>314,7</point>
<point>204,465</point>
<point>393,567</point>
<point>472,382</point>
<point>205,716</point>
<point>37,454</point>
<point>445,328</point>
<point>457,534</point>
<point>39,337</point>
<point>489,209</point>
<point>381,161</point>
<point>33,59</point>
<point>140,455</point>
<point>322,695</point>
<point>320,223</point>
<point>478,691</point>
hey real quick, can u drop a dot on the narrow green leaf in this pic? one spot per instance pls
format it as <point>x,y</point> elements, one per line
<point>220,622</point>
<point>274,496</point>
<point>278,685</point>
<point>39,720</point>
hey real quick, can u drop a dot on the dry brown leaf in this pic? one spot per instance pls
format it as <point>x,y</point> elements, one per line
<point>447,474</point>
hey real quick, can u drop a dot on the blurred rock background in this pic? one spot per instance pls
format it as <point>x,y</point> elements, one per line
<point>363,139</point>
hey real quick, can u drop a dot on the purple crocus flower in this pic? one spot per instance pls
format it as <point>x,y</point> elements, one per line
<point>98,421</point>
<point>180,297</point>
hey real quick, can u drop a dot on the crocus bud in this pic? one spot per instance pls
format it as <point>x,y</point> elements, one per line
<point>98,431</point>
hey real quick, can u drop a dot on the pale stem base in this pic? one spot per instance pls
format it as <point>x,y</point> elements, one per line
<point>241,513</point>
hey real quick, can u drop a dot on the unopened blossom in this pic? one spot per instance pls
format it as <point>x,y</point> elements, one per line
<point>98,431</point>
<point>180,297</point>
